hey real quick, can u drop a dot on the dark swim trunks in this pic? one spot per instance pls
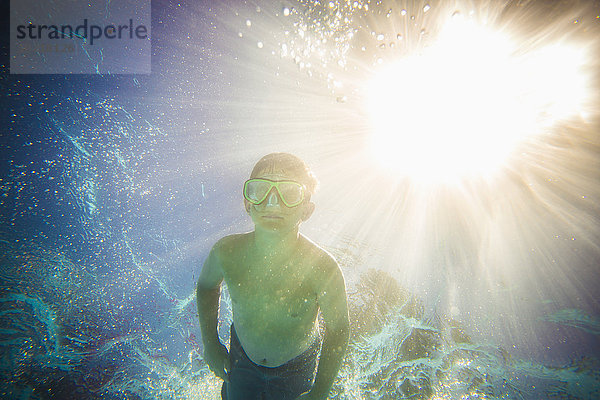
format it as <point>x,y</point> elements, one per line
<point>249,381</point>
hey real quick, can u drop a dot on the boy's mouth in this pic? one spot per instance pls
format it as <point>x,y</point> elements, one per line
<point>272,216</point>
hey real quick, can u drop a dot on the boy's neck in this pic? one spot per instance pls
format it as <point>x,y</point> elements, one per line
<point>275,242</point>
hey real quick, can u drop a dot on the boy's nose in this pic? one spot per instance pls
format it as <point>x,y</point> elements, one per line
<point>273,199</point>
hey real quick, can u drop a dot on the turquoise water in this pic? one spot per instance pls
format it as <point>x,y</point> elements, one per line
<point>72,332</point>
<point>114,189</point>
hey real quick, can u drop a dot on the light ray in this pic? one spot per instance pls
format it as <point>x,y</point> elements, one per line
<point>474,245</point>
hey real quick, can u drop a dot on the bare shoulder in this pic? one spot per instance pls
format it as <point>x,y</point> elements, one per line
<point>230,245</point>
<point>222,255</point>
<point>324,264</point>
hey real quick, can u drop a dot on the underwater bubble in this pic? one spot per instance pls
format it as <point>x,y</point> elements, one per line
<point>240,34</point>
<point>382,46</point>
<point>399,36</point>
<point>341,99</point>
<point>286,11</point>
<point>426,8</point>
<point>248,23</point>
<point>380,36</point>
<point>260,45</point>
<point>403,12</point>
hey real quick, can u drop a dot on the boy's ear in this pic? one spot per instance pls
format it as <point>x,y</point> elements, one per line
<point>309,208</point>
<point>247,206</point>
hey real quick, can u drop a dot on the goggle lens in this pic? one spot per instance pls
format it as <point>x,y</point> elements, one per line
<point>256,191</point>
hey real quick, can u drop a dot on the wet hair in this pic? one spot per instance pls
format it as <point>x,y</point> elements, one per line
<point>289,164</point>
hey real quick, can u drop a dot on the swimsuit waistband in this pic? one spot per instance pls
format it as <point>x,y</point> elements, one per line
<point>310,353</point>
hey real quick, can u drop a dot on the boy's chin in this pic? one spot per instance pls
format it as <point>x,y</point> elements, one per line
<point>275,225</point>
<point>272,225</point>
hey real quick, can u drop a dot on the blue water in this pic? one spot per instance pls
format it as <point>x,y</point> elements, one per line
<point>114,188</point>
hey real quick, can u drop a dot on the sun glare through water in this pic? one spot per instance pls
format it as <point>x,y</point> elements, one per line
<point>480,283</point>
<point>460,106</point>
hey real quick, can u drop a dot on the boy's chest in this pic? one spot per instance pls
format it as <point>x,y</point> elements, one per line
<point>267,284</point>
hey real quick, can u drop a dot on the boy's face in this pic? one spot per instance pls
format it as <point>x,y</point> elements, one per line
<point>272,214</point>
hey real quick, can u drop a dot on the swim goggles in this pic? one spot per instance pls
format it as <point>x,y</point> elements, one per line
<point>290,192</point>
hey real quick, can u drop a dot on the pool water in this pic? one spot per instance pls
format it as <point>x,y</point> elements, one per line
<point>115,187</point>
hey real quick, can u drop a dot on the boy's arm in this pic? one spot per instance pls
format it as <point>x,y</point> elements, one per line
<point>332,301</point>
<point>208,292</point>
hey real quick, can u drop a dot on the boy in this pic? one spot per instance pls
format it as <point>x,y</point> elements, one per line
<point>278,281</point>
